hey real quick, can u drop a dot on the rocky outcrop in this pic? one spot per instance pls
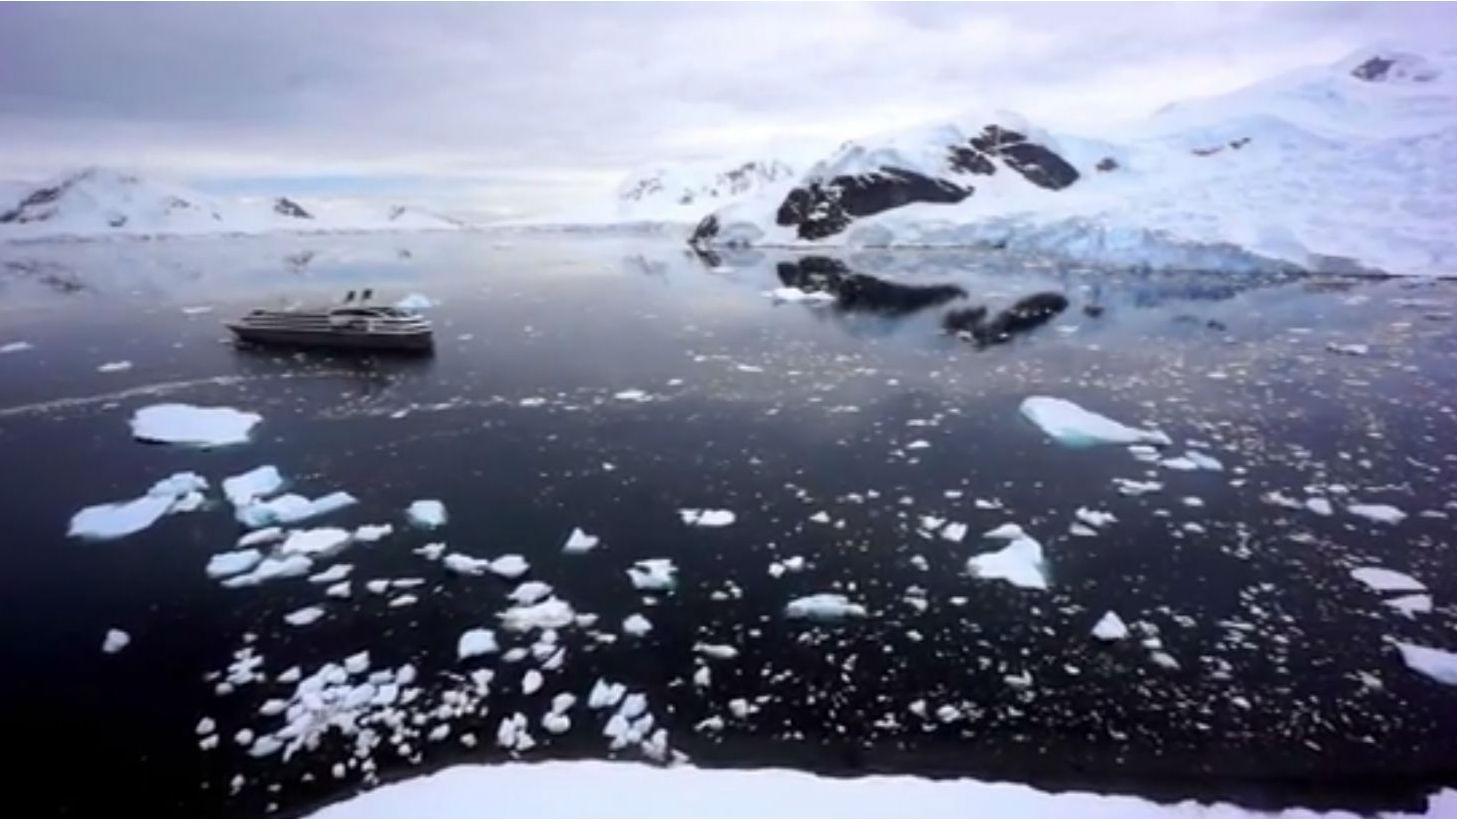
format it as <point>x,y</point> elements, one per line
<point>861,292</point>
<point>1027,314</point>
<point>284,206</point>
<point>1036,163</point>
<point>823,209</point>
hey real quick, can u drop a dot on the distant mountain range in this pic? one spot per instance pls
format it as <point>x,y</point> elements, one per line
<point>101,202</point>
<point>1345,167</point>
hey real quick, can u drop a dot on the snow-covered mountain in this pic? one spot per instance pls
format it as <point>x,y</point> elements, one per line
<point>683,192</point>
<point>101,202</point>
<point>1338,167</point>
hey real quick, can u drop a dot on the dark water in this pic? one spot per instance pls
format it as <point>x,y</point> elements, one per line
<point>1287,691</point>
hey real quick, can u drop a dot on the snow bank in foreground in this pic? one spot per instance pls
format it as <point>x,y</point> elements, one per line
<point>1072,425</point>
<point>601,789</point>
<point>198,426</point>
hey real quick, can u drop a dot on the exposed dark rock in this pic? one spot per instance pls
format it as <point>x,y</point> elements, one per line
<point>1373,69</point>
<point>826,208</point>
<point>287,207</point>
<point>1035,163</point>
<point>1239,143</point>
<point>705,231</point>
<point>116,220</point>
<point>1206,151</point>
<point>970,160</point>
<point>1027,314</point>
<point>860,292</point>
<point>1093,310</point>
<point>1107,164</point>
<point>38,197</point>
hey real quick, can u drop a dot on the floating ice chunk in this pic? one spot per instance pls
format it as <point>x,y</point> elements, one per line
<point>272,568</point>
<point>1019,562</point>
<point>706,517</point>
<point>305,616</point>
<point>562,702</point>
<point>1071,425</point>
<point>954,532</point>
<point>531,682</point>
<point>555,723</point>
<point>510,566</point>
<point>636,625</point>
<point>465,564</point>
<point>225,564</point>
<point>716,651</point>
<point>824,606</point>
<point>1347,349</point>
<point>1163,659</point>
<point>402,601</point>
<point>605,694</point>
<point>654,574</point>
<point>114,520</point>
<point>475,642</point>
<point>1133,488</point>
<point>415,301</point>
<point>292,508</point>
<point>197,426</point>
<point>1082,531</point>
<point>1110,627</point>
<point>115,641</point>
<point>16,347</point>
<point>426,513</point>
<point>549,613</point>
<point>243,489</point>
<point>1377,512</point>
<point>793,295</point>
<point>1144,452</point>
<point>343,589</point>
<point>1095,518</point>
<point>1204,461</point>
<point>529,592</point>
<point>1387,580</point>
<point>261,536</point>
<point>333,574</point>
<point>579,541</point>
<point>1180,464</point>
<point>369,533</point>
<point>1433,662</point>
<point>702,677</point>
<point>919,443</point>
<point>206,726</point>
<point>315,543</point>
<point>1411,604</point>
<point>114,367</point>
<point>633,395</point>
<point>431,551</point>
<point>1320,506</point>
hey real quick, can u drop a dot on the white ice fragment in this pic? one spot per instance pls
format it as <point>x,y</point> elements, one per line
<point>243,489</point>
<point>261,536</point>
<point>1347,349</point>
<point>333,574</point>
<point>605,694</point>
<point>706,517</point>
<point>427,514</point>
<point>824,606</point>
<point>1071,425</point>
<point>305,616</point>
<point>224,564</point>
<point>579,541</point>
<point>315,543</point>
<point>555,723</point>
<point>510,566</point>
<point>1411,604</point>
<point>292,508</point>
<point>954,532</point>
<point>1320,506</point>
<point>338,590</point>
<point>1095,518</point>
<point>636,625</point>
<point>1433,662</point>
<point>1110,627</point>
<point>114,520</point>
<point>529,592</point>
<point>653,574</point>
<point>475,642</point>
<point>1019,562</point>
<point>531,682</point>
<point>1387,580</point>
<point>197,426</point>
<point>369,533</point>
<point>16,346</point>
<point>115,641</point>
<point>1133,488</point>
<point>703,677</point>
<point>272,568</point>
<point>1377,512</point>
<point>716,651</point>
<point>560,703</point>
<point>205,726</point>
<point>465,564</point>
<point>549,613</point>
<point>795,295</point>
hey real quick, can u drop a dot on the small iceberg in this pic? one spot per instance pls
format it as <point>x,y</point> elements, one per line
<point>1387,580</point>
<point>227,564</point>
<point>1018,563</point>
<point>1377,512</point>
<point>1110,628</point>
<point>549,613</point>
<point>1071,425</point>
<point>180,492</point>
<point>475,642</point>
<point>826,607</point>
<point>1432,662</point>
<point>706,517</point>
<point>194,426</point>
<point>427,514</point>
<point>292,508</point>
<point>654,574</point>
<point>579,542</point>
<point>115,641</point>
<point>243,489</point>
<point>636,625</point>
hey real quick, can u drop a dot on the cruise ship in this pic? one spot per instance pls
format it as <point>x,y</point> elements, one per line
<point>348,326</point>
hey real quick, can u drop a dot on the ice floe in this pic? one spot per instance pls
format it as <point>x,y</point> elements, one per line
<point>1110,627</point>
<point>1070,424</point>
<point>706,517</point>
<point>636,625</point>
<point>1377,512</point>
<point>176,493</point>
<point>188,424</point>
<point>824,606</point>
<point>529,592</point>
<point>249,486</point>
<point>115,641</point>
<point>16,346</point>
<point>1387,580</point>
<point>427,514</point>
<point>579,542</point>
<point>292,508</point>
<point>272,568</point>
<point>1411,605</point>
<point>653,574</point>
<point>1432,662</point>
<point>225,564</point>
<point>114,367</point>
<point>475,642</point>
<point>305,616</point>
<point>549,613</point>
<point>1019,562</point>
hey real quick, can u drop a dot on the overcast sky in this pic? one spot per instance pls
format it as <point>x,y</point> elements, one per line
<point>511,109</point>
